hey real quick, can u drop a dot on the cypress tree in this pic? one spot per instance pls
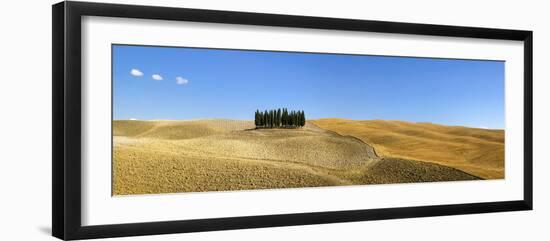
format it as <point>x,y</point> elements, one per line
<point>266,121</point>
<point>259,118</point>
<point>262,119</point>
<point>299,118</point>
<point>271,118</point>
<point>302,119</point>
<point>256,120</point>
<point>289,119</point>
<point>283,117</point>
<point>274,118</point>
<point>278,117</point>
<point>265,118</point>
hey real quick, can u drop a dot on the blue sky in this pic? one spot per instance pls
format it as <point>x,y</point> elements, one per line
<point>193,83</point>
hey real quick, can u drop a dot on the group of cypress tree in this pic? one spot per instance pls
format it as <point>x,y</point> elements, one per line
<point>279,118</point>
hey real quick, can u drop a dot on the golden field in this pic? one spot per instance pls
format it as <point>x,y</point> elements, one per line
<point>223,155</point>
<point>479,152</point>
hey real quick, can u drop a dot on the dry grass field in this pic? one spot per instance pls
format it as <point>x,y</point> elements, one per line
<point>479,152</point>
<point>223,155</point>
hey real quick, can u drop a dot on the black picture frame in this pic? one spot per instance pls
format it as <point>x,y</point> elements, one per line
<point>66,158</point>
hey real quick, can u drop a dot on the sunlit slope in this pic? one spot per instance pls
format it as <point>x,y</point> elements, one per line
<point>168,129</point>
<point>221,155</point>
<point>479,152</point>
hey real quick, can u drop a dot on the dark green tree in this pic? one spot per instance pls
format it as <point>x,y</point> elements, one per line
<point>289,119</point>
<point>265,118</point>
<point>256,118</point>
<point>283,117</point>
<point>271,118</point>
<point>302,118</point>
<point>278,118</point>
<point>275,118</point>
<point>261,118</point>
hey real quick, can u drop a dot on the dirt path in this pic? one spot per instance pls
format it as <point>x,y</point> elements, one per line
<point>372,152</point>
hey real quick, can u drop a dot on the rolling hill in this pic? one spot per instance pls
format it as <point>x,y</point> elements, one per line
<point>479,152</point>
<point>222,155</point>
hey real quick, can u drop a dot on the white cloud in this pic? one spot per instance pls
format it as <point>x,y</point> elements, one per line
<point>133,119</point>
<point>136,72</point>
<point>156,77</point>
<point>181,80</point>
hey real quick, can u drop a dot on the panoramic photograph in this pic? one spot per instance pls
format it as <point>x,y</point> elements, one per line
<point>204,120</point>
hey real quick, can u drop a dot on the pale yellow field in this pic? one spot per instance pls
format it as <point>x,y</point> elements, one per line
<point>479,152</point>
<point>222,155</point>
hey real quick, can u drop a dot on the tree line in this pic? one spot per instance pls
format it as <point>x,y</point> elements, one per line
<point>279,118</point>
